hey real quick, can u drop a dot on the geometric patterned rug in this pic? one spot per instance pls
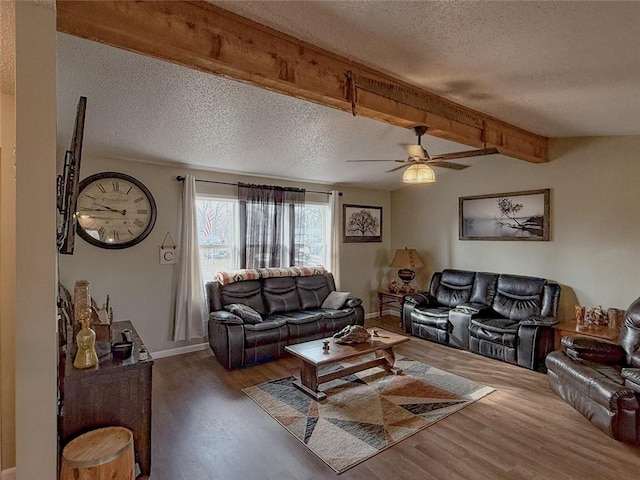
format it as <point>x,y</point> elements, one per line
<point>368,411</point>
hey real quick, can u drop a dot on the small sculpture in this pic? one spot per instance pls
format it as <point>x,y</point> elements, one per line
<point>352,334</point>
<point>86,340</point>
<point>325,345</point>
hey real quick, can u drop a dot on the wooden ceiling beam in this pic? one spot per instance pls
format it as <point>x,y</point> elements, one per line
<point>207,38</point>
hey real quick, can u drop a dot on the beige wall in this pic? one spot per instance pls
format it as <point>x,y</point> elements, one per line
<point>7,279</point>
<point>35,259</point>
<point>595,231</point>
<point>141,289</point>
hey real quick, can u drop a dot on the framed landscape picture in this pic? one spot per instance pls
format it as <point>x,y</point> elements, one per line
<point>505,216</point>
<point>362,223</point>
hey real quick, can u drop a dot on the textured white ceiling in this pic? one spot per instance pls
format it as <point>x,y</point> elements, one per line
<point>554,68</point>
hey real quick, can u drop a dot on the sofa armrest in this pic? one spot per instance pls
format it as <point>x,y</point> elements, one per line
<point>228,318</point>
<point>473,308</point>
<point>540,321</point>
<point>422,299</point>
<point>353,302</point>
<point>590,349</point>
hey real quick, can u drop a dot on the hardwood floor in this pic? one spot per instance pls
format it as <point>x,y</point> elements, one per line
<point>205,428</point>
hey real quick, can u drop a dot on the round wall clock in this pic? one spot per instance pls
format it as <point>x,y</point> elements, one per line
<point>114,210</point>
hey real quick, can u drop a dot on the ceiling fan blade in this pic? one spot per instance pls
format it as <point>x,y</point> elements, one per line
<point>466,154</point>
<point>443,164</point>
<point>376,161</point>
<point>397,168</point>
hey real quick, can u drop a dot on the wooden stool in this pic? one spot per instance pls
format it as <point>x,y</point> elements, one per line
<point>102,454</point>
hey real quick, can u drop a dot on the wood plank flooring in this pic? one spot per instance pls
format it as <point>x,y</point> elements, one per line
<point>205,428</point>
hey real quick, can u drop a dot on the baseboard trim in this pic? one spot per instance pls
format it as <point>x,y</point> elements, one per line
<point>8,474</point>
<point>179,351</point>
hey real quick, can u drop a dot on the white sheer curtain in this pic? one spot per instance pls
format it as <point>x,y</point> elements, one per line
<point>336,238</point>
<point>191,308</point>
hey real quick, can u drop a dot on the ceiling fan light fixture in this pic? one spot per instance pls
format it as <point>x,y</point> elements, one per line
<point>418,173</point>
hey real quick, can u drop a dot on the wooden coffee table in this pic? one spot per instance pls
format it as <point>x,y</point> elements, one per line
<point>313,356</point>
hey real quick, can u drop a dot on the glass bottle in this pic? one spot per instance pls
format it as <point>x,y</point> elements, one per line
<point>86,341</point>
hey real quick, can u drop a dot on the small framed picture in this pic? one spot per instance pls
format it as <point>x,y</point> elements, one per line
<point>505,216</point>
<point>362,223</point>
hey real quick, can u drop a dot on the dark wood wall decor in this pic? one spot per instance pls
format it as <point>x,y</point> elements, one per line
<point>210,39</point>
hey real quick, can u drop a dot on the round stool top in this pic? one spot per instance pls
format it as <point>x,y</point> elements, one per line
<point>97,447</point>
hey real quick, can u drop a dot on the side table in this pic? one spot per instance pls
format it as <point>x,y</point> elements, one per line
<point>390,299</point>
<point>569,328</point>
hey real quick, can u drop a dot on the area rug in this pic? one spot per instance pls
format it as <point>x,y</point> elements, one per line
<point>366,412</point>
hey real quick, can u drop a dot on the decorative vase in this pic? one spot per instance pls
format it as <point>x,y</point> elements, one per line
<point>86,357</point>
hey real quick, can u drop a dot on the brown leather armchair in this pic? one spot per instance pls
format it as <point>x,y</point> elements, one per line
<point>601,379</point>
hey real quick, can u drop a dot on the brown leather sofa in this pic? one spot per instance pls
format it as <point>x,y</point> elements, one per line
<point>502,316</point>
<point>601,379</point>
<point>288,306</point>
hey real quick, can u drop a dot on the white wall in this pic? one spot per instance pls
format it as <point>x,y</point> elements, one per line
<point>595,226</point>
<point>141,290</point>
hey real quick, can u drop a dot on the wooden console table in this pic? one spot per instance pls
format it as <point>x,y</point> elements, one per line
<point>569,328</point>
<point>114,393</point>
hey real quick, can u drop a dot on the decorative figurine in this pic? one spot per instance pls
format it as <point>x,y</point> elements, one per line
<point>86,340</point>
<point>325,345</point>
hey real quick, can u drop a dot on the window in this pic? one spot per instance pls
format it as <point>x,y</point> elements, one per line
<point>217,235</point>
<point>218,232</point>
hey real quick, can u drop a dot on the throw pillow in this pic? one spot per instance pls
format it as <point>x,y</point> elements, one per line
<point>245,312</point>
<point>335,300</point>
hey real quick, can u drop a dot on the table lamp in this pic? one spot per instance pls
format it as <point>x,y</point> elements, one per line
<point>406,260</point>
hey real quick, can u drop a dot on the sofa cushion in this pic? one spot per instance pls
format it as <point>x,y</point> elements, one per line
<point>271,330</point>
<point>303,324</point>
<point>435,317</point>
<point>335,300</point>
<point>455,287</point>
<point>501,331</point>
<point>484,288</point>
<point>280,295</point>
<point>248,293</point>
<point>518,297</point>
<point>245,312</point>
<point>312,291</point>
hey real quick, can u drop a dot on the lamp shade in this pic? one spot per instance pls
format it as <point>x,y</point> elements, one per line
<point>419,173</point>
<point>406,258</point>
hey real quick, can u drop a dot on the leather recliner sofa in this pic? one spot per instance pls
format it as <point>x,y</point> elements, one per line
<point>506,317</point>
<point>288,302</point>
<point>601,379</point>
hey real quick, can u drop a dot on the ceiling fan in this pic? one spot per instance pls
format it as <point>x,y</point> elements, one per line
<point>419,161</point>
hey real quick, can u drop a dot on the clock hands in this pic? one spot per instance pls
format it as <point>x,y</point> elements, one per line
<point>121,212</point>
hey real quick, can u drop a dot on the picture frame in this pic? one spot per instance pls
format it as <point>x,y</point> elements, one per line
<point>511,216</point>
<point>361,223</point>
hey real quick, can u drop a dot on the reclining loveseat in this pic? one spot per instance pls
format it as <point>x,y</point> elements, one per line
<point>506,317</point>
<point>601,379</point>
<point>254,314</point>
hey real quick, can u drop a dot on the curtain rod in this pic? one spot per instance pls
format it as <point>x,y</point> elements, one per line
<point>180,178</point>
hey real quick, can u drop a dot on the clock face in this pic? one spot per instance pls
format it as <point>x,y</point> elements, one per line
<point>114,210</point>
